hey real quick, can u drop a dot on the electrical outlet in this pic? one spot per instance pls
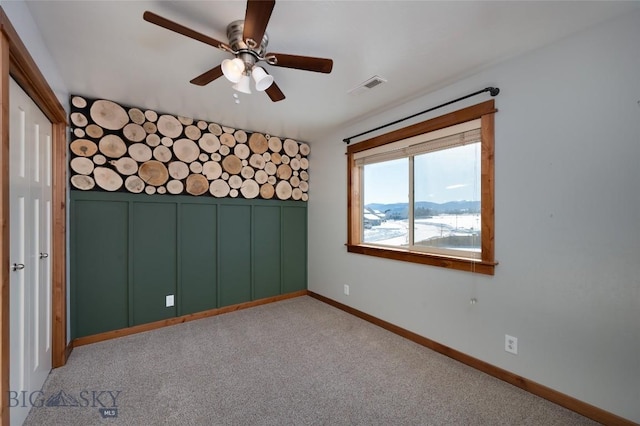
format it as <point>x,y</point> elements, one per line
<point>346,289</point>
<point>511,344</point>
<point>169,301</point>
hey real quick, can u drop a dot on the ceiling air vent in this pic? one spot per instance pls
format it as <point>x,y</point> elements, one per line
<point>374,81</point>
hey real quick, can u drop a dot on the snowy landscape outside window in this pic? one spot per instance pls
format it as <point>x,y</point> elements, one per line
<point>425,193</point>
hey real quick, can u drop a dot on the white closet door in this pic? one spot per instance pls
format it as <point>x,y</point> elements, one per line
<point>30,216</point>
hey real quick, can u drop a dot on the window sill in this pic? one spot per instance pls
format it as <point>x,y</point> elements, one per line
<point>461,264</point>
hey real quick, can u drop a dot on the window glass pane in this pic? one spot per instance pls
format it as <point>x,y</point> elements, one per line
<point>386,200</point>
<point>447,199</point>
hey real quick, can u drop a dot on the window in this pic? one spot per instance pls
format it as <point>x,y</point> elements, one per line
<point>424,193</point>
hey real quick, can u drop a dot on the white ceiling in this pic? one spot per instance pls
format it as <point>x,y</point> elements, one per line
<point>104,49</point>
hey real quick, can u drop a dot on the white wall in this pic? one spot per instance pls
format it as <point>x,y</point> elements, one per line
<point>567,225</point>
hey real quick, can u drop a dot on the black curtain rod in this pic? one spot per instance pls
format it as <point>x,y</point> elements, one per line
<point>492,90</point>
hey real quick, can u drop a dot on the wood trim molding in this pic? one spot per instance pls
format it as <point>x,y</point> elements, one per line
<point>571,403</point>
<point>16,62</point>
<point>80,341</point>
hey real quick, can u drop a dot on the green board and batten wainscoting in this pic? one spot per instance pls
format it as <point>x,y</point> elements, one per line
<point>129,251</point>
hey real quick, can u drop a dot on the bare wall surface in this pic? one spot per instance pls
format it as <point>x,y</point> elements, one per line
<point>567,225</point>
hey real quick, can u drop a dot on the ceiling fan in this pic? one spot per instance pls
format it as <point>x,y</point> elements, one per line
<point>247,41</point>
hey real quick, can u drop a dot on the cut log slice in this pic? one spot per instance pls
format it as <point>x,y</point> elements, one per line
<point>211,170</point>
<point>136,116</point>
<point>162,190</point>
<point>276,158</point>
<point>270,168</point>
<point>151,115</point>
<point>178,170</point>
<point>192,132</point>
<point>215,129</point>
<point>79,133</point>
<point>78,102</point>
<point>304,163</point>
<point>169,126</point>
<point>294,181</point>
<point>112,146</point>
<point>150,127</point>
<point>232,164</point>
<point>225,150</point>
<point>247,172</point>
<point>233,193</point>
<point>79,119</point>
<point>275,144</point>
<point>284,172</point>
<point>153,173</point>
<point>304,186</point>
<point>257,161</point>
<point>196,167</point>
<point>125,165</point>
<point>107,179</point>
<point>134,184</point>
<point>304,175</point>
<point>258,143</point>
<point>219,188</point>
<point>228,129</point>
<point>83,147</point>
<point>235,181</point>
<point>134,132</point>
<point>99,159</point>
<point>266,156</point>
<point>216,157</point>
<point>295,173</point>
<point>305,197</point>
<point>267,191</point>
<point>166,141</point>
<point>261,177</point>
<point>81,165</point>
<point>225,175</point>
<point>272,180</point>
<point>283,190</point>
<point>140,152</point>
<point>94,131</point>
<point>197,184</point>
<point>242,151</point>
<point>202,125</point>
<point>241,136</point>
<point>83,182</point>
<point>290,147</point>
<point>185,120</point>
<point>162,153</point>
<point>109,115</point>
<point>294,164</point>
<point>250,189</point>
<point>175,187</point>
<point>153,140</point>
<point>228,140</point>
<point>285,159</point>
<point>298,156</point>
<point>150,189</point>
<point>296,194</point>
<point>305,149</point>
<point>203,157</point>
<point>186,150</point>
<point>209,143</point>
<point>245,163</point>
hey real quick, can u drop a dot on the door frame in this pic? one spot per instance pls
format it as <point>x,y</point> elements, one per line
<point>16,62</point>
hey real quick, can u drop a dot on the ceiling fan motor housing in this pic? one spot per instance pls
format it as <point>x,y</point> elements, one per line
<point>237,43</point>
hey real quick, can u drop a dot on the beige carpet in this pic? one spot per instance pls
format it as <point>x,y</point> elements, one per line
<point>295,362</point>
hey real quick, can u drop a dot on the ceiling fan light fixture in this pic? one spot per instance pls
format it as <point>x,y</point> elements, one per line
<point>233,69</point>
<point>261,78</point>
<point>244,85</point>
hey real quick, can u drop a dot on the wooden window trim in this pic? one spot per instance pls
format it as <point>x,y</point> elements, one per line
<point>16,62</point>
<point>485,112</point>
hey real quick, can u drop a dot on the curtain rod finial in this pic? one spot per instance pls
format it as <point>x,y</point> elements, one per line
<point>493,91</point>
<point>347,141</point>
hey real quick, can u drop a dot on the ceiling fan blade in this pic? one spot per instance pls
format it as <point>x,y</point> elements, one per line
<point>208,77</point>
<point>274,92</point>
<point>256,19</point>
<point>306,63</point>
<point>181,29</point>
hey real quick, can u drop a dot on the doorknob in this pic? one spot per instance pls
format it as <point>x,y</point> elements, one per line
<point>17,266</point>
<point>44,255</point>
